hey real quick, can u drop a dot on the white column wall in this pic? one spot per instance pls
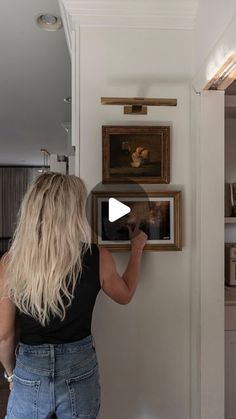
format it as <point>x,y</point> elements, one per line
<point>207,300</point>
<point>143,348</point>
<point>214,42</point>
<point>210,227</point>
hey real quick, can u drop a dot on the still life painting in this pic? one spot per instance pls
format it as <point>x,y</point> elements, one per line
<point>136,153</point>
<point>158,214</point>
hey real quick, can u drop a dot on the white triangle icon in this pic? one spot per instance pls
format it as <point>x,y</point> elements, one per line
<point>117,209</point>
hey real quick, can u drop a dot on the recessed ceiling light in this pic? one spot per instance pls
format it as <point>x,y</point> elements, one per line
<point>48,22</point>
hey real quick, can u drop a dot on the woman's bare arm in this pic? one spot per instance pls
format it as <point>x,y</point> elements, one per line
<point>122,288</point>
<point>7,329</point>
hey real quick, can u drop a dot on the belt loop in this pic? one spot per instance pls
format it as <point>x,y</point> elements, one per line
<point>16,348</point>
<point>93,342</point>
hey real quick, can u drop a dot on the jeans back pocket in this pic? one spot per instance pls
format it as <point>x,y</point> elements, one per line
<point>23,400</point>
<point>84,391</point>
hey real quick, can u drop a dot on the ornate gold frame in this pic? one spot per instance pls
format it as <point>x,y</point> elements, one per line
<point>162,134</point>
<point>177,233</point>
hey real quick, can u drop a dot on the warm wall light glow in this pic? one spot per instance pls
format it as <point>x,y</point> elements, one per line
<point>221,76</point>
<point>220,56</point>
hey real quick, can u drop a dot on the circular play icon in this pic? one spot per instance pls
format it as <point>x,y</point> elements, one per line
<point>112,212</point>
<point>117,209</point>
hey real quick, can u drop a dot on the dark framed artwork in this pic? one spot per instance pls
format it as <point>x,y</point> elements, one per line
<point>136,153</point>
<point>158,215</point>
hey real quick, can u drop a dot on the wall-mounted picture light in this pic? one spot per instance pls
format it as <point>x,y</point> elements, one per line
<point>137,105</point>
<point>224,76</point>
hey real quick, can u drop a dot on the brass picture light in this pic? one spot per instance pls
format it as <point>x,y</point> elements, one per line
<point>137,105</point>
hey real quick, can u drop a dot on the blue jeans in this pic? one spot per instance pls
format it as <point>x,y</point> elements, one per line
<point>55,379</point>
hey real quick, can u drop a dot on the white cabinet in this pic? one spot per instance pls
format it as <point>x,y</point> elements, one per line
<point>230,362</point>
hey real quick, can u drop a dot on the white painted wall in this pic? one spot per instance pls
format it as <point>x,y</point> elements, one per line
<point>143,348</point>
<point>217,21</point>
<point>217,54</point>
<point>210,252</point>
<point>213,17</point>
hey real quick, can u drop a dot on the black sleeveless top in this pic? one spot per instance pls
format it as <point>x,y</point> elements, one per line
<point>77,322</point>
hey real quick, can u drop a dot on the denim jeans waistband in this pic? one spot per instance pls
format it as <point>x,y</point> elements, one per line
<point>63,348</point>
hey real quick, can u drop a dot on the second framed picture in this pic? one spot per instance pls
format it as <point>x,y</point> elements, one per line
<point>158,214</point>
<point>136,154</point>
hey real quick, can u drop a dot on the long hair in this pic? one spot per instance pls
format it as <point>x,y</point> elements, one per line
<point>51,237</point>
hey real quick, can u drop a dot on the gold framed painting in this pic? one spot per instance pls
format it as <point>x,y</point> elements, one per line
<point>157,213</point>
<point>136,154</point>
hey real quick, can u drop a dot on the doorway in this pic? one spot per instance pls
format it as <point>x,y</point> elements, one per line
<point>208,242</point>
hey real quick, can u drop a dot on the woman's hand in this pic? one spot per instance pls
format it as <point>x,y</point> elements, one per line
<point>137,237</point>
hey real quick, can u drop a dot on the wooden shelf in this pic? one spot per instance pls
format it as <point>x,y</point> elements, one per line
<point>230,220</point>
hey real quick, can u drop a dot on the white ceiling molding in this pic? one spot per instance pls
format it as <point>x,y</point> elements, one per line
<point>158,14</point>
<point>67,23</point>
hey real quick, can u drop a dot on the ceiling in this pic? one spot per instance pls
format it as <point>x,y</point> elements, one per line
<point>35,77</point>
<point>159,14</point>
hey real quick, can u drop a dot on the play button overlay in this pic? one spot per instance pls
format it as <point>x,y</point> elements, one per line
<point>111,209</point>
<point>117,209</point>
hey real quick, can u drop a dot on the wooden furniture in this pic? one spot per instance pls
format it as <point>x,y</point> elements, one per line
<point>230,220</point>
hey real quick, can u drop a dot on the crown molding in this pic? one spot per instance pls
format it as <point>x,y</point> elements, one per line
<point>156,14</point>
<point>67,23</point>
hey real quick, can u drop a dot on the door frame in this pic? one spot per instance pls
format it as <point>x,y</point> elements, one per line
<point>207,286</point>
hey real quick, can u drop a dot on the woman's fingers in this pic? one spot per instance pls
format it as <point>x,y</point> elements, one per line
<point>134,230</point>
<point>136,227</point>
<point>139,240</point>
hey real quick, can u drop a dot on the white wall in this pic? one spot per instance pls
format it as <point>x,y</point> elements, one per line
<point>214,42</point>
<point>143,348</point>
<point>208,267</point>
<point>212,19</point>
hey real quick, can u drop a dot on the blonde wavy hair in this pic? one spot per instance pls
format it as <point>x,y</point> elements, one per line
<point>48,245</point>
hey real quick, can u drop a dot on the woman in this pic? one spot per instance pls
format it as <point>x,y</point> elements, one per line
<point>49,281</point>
